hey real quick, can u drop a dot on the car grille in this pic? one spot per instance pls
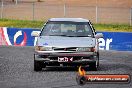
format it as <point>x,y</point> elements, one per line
<point>65,49</point>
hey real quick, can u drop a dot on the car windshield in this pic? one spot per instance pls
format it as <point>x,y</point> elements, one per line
<point>69,29</point>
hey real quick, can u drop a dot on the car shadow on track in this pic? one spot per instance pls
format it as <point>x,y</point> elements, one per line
<point>64,69</point>
<point>102,67</point>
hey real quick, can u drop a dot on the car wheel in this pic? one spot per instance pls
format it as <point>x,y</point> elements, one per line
<point>37,65</point>
<point>98,60</point>
<point>93,66</point>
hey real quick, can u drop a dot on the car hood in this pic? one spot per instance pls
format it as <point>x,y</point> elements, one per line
<point>63,42</point>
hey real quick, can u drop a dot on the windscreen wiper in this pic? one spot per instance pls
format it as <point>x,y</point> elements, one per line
<point>69,35</point>
<point>58,35</point>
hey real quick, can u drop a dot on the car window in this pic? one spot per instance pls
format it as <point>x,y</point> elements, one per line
<point>73,29</point>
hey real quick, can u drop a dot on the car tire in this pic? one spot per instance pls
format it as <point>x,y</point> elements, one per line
<point>93,66</point>
<point>37,65</point>
<point>98,60</point>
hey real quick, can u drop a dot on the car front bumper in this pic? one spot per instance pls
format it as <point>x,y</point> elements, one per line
<point>64,53</point>
<point>79,58</point>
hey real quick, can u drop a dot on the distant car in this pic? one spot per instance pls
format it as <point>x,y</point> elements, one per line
<point>67,42</point>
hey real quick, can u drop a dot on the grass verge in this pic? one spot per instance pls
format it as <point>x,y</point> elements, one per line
<point>113,27</point>
<point>39,24</point>
<point>20,23</point>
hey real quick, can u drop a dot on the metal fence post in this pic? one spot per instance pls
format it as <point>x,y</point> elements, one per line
<point>65,10</point>
<point>131,16</point>
<point>16,2</point>
<point>96,14</point>
<point>33,11</point>
<point>2,5</point>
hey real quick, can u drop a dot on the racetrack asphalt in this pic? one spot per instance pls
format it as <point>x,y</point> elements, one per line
<point>16,70</point>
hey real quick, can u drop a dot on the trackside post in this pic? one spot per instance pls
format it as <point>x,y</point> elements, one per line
<point>33,11</point>
<point>65,10</point>
<point>131,16</point>
<point>96,14</point>
<point>2,6</point>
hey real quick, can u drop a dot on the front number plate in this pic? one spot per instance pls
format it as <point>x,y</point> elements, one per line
<point>65,59</point>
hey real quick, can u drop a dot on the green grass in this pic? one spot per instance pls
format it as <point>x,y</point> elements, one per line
<point>20,23</point>
<point>113,27</point>
<point>39,24</point>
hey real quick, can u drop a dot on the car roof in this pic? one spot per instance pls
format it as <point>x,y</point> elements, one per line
<point>69,19</point>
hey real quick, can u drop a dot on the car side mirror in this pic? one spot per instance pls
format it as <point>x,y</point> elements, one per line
<point>99,35</point>
<point>35,33</point>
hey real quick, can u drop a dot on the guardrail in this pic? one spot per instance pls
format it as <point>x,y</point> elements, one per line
<point>121,41</point>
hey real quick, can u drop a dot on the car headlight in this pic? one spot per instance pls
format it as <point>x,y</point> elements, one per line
<point>85,49</point>
<point>42,48</point>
